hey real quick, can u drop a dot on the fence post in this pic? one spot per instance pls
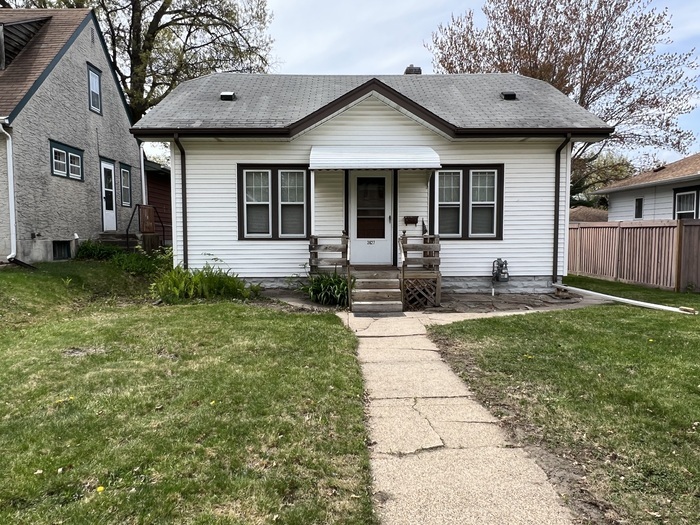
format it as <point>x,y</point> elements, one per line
<point>618,250</point>
<point>678,254</point>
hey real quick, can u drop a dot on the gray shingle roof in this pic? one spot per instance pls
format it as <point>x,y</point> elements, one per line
<point>277,102</point>
<point>686,169</point>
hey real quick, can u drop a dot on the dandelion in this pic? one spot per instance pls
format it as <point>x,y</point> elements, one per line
<point>100,489</point>
<point>213,403</point>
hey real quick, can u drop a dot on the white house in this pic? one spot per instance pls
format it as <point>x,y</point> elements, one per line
<point>262,162</point>
<point>668,192</point>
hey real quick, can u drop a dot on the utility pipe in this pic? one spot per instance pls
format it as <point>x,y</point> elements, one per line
<point>557,206</point>
<point>679,310</point>
<point>10,191</point>
<point>183,179</point>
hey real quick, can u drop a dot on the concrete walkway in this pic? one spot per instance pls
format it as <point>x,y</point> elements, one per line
<point>438,456</point>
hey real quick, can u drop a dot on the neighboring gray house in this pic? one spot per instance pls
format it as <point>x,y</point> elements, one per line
<point>69,168</point>
<point>668,192</point>
<point>269,161</point>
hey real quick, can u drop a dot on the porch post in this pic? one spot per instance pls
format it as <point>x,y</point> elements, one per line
<point>312,204</point>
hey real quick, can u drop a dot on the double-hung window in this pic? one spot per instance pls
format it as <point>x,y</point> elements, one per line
<point>94,89</point>
<point>273,203</point>
<point>126,185</point>
<point>66,161</point>
<point>450,203</point>
<point>469,202</point>
<point>686,203</point>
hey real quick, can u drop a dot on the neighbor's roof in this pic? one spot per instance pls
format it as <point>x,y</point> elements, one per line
<point>587,214</point>
<point>34,39</point>
<point>686,169</point>
<point>283,105</point>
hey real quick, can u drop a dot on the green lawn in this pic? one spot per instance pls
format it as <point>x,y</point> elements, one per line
<point>116,411</point>
<point>613,390</point>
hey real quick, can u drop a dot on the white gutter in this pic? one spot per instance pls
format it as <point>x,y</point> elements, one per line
<point>680,310</point>
<point>144,189</point>
<point>10,190</point>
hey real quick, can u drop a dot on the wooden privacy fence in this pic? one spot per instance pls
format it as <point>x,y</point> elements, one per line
<point>662,253</point>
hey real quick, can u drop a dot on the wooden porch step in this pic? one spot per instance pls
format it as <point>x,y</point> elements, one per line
<point>393,294</point>
<point>377,307</point>
<point>375,274</point>
<point>384,284</point>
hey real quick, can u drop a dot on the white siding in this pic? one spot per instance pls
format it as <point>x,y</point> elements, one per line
<point>413,200</point>
<point>528,195</point>
<point>658,203</point>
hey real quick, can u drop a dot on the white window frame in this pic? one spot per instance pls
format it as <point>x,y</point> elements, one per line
<point>54,169</point>
<point>79,165</point>
<point>124,171</point>
<point>695,203</point>
<point>450,204</point>
<point>483,204</point>
<point>281,203</point>
<point>247,235</point>
<point>94,74</point>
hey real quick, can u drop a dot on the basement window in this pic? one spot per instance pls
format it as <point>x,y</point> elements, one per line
<point>61,250</point>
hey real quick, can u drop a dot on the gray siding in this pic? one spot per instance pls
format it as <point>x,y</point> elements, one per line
<point>4,202</point>
<point>658,203</point>
<point>55,208</point>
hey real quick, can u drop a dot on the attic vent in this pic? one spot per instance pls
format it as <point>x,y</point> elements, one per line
<point>413,70</point>
<point>508,95</point>
<point>656,170</point>
<point>228,95</point>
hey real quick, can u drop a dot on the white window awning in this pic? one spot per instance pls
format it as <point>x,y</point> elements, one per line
<point>373,157</point>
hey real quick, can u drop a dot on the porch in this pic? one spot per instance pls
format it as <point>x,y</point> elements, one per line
<point>413,284</point>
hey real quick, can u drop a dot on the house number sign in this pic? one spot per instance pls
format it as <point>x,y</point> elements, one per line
<point>370,242</point>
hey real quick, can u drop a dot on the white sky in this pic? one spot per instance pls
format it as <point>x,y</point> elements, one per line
<point>384,36</point>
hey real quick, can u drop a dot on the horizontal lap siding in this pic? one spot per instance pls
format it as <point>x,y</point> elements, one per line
<point>658,204</point>
<point>529,188</point>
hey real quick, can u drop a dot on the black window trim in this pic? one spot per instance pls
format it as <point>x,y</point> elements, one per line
<point>274,170</point>
<point>466,203</point>
<point>687,189</point>
<point>98,72</point>
<point>125,168</point>
<point>68,151</point>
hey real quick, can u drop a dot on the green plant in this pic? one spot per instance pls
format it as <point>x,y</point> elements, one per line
<point>141,263</point>
<point>178,285</point>
<point>330,289</point>
<point>96,251</point>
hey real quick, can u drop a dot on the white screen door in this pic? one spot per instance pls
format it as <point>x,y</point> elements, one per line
<point>370,217</point>
<point>109,214</point>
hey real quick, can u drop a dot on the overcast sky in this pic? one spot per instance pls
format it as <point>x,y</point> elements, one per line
<point>384,36</point>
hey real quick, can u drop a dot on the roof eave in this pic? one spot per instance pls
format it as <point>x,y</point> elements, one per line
<point>144,133</point>
<point>665,182</point>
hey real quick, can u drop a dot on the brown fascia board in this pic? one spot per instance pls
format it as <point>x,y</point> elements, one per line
<point>380,87</point>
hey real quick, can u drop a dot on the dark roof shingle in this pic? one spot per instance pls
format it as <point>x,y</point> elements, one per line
<point>265,101</point>
<point>29,64</point>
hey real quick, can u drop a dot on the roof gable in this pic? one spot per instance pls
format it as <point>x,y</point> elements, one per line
<point>40,37</point>
<point>285,105</point>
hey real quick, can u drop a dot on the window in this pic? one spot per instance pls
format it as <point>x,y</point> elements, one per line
<point>469,202</point>
<point>639,207</point>
<point>61,250</point>
<point>482,211</point>
<point>685,205</point>
<point>95,89</point>
<point>126,185</point>
<point>450,203</point>
<point>273,203</point>
<point>66,161</point>
<point>292,217</point>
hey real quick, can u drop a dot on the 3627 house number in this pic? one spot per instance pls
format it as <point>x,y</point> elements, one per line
<point>370,242</point>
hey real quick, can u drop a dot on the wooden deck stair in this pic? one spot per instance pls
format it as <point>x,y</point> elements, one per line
<point>376,291</point>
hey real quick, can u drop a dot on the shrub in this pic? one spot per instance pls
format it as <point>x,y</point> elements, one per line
<point>142,263</point>
<point>329,289</point>
<point>97,251</point>
<point>178,285</point>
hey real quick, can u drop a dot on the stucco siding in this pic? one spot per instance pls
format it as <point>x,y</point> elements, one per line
<point>528,194</point>
<point>658,204</point>
<point>5,245</point>
<point>55,208</point>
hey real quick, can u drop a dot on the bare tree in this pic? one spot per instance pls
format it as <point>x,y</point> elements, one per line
<point>156,44</point>
<point>604,54</point>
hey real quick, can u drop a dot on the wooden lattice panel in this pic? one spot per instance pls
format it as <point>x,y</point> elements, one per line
<point>420,293</point>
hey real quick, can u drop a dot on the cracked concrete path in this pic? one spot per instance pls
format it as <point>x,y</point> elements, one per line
<point>438,456</point>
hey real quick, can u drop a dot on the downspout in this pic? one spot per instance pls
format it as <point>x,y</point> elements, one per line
<point>11,192</point>
<point>183,179</point>
<point>144,189</point>
<point>557,207</point>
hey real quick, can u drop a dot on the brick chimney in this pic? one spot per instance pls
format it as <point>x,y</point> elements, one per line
<point>413,70</point>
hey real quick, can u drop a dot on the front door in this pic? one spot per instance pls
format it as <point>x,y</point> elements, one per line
<point>370,217</point>
<point>109,214</point>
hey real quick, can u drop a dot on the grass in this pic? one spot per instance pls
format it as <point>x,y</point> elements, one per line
<point>116,411</point>
<point>614,390</point>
